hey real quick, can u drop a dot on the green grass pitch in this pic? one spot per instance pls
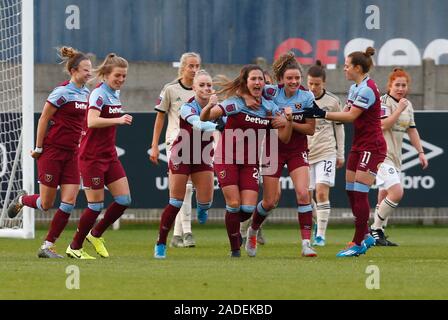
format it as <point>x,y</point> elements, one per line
<point>417,269</point>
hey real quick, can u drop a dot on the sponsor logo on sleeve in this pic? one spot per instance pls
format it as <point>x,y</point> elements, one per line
<point>230,107</point>
<point>99,102</point>
<point>270,91</point>
<point>61,101</point>
<point>362,100</point>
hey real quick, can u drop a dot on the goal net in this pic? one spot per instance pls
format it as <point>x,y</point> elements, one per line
<point>16,113</point>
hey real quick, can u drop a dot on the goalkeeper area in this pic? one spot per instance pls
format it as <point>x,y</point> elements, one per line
<point>414,270</point>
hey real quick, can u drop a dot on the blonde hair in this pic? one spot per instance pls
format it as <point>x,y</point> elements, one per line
<point>201,72</point>
<point>183,61</point>
<point>71,57</point>
<point>285,62</point>
<point>110,62</point>
<point>237,86</point>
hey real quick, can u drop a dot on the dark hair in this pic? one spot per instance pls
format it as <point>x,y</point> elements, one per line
<point>363,59</point>
<point>71,57</point>
<point>285,62</point>
<point>231,88</point>
<point>317,71</point>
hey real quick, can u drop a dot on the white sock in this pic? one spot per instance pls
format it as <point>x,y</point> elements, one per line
<point>323,212</point>
<point>178,226</point>
<point>47,244</point>
<point>306,243</point>
<point>185,211</point>
<point>385,209</point>
<point>314,207</point>
<point>243,227</point>
<point>251,232</point>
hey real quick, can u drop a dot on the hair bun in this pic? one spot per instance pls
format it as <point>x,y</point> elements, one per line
<point>398,69</point>
<point>67,52</point>
<point>370,51</point>
<point>319,63</point>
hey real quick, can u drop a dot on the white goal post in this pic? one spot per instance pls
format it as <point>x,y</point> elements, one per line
<point>16,113</point>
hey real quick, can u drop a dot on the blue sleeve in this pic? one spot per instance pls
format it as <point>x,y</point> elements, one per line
<point>365,98</point>
<point>58,97</point>
<point>96,100</point>
<point>187,110</point>
<point>189,113</point>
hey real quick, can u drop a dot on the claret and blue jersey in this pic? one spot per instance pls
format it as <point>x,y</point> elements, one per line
<point>99,143</point>
<point>67,123</point>
<point>367,127</point>
<point>299,102</point>
<point>239,116</point>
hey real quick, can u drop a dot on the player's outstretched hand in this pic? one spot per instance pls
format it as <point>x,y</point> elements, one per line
<point>125,119</point>
<point>314,112</point>
<point>220,124</point>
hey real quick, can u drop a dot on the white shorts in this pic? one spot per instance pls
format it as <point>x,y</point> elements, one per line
<point>387,176</point>
<point>323,172</point>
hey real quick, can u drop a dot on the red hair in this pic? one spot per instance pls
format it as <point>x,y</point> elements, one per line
<point>397,73</point>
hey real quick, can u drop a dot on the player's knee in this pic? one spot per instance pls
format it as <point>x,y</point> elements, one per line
<point>321,196</point>
<point>233,204</point>
<point>247,209</point>
<point>66,207</point>
<point>45,205</point>
<point>96,206</point>
<point>232,209</point>
<point>176,203</point>
<point>124,200</point>
<point>269,204</point>
<point>303,195</point>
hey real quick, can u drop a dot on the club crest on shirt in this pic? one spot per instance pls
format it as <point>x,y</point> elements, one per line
<point>175,166</point>
<point>298,106</point>
<point>99,102</point>
<point>270,91</point>
<point>222,174</point>
<point>48,177</point>
<point>61,101</point>
<point>96,181</point>
<point>230,107</point>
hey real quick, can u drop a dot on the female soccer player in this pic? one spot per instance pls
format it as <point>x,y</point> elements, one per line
<point>58,134</point>
<point>326,149</point>
<point>172,97</point>
<point>98,160</point>
<point>245,224</point>
<point>236,160</point>
<point>368,148</point>
<point>294,154</point>
<point>191,154</point>
<point>397,119</point>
